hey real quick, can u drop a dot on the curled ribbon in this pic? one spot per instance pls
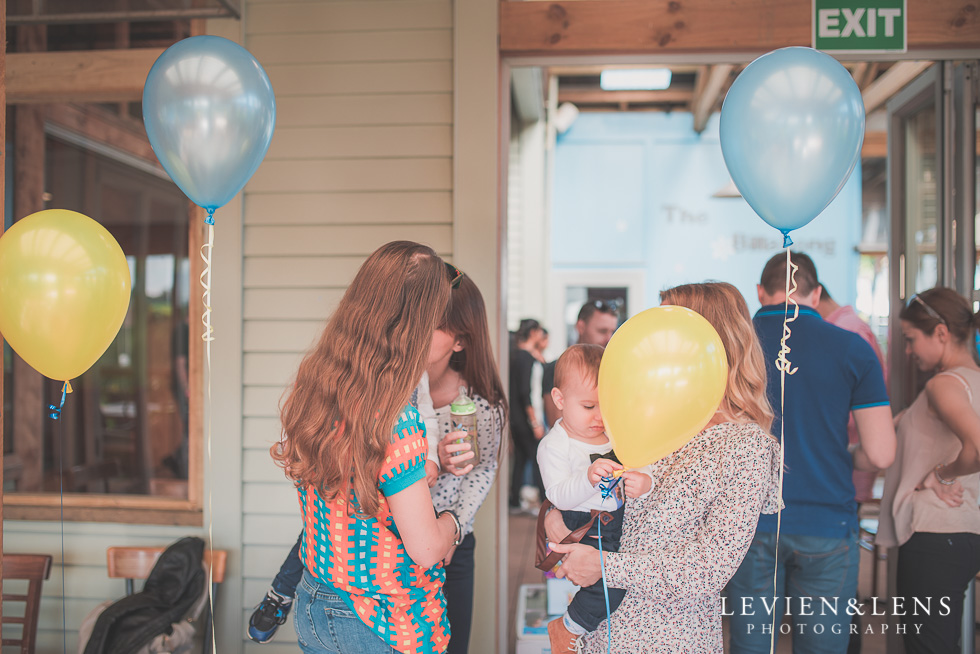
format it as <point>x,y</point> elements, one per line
<point>208,337</point>
<point>54,412</point>
<point>607,484</point>
<point>785,368</point>
<point>782,363</point>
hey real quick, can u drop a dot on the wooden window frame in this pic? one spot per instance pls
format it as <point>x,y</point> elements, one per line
<point>112,76</point>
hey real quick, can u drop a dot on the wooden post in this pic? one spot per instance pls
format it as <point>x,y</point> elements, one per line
<point>28,191</point>
<point>3,176</point>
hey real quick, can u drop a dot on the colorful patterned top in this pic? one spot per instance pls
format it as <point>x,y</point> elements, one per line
<point>365,560</point>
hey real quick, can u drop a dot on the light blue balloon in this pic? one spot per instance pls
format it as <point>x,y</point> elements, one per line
<point>792,126</point>
<point>209,113</point>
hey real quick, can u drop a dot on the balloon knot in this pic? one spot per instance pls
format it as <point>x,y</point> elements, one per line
<point>787,241</point>
<point>210,219</point>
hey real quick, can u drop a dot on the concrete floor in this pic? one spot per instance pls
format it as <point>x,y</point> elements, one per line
<point>522,571</point>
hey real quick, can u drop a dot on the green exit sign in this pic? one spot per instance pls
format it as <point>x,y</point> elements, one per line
<point>862,26</point>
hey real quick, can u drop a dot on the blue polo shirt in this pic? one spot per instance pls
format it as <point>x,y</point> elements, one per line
<point>837,372</point>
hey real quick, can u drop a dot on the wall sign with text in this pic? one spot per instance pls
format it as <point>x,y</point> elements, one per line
<point>860,25</point>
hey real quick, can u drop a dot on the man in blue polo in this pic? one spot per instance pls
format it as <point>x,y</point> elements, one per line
<point>836,373</point>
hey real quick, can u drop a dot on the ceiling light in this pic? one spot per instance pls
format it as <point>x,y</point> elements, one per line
<point>635,79</point>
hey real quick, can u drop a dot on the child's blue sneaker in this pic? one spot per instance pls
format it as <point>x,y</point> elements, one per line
<point>269,614</point>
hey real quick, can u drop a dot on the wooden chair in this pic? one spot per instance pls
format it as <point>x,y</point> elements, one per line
<point>131,563</point>
<point>34,568</point>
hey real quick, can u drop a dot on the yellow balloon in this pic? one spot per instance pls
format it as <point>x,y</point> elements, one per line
<point>661,379</point>
<point>64,291</point>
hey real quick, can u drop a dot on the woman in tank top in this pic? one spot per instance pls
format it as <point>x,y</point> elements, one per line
<point>929,508</point>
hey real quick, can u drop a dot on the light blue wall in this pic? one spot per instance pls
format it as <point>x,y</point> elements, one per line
<point>633,190</point>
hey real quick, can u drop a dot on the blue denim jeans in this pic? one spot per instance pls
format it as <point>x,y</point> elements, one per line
<point>817,576</point>
<point>324,624</point>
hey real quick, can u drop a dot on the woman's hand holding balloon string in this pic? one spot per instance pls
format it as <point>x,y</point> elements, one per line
<point>581,564</point>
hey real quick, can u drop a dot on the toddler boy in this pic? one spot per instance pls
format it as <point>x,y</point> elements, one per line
<point>565,456</point>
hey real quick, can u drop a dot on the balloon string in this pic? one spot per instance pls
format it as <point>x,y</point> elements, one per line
<point>61,481</point>
<point>54,412</point>
<point>207,337</point>
<point>785,368</point>
<point>605,489</point>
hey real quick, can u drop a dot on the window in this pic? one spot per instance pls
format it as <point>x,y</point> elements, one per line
<point>127,447</point>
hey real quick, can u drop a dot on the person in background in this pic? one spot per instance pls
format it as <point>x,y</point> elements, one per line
<point>525,428</point>
<point>846,317</point>
<point>683,541</point>
<point>929,508</point>
<point>597,321</point>
<point>356,451</point>
<point>542,345</point>
<point>836,374</point>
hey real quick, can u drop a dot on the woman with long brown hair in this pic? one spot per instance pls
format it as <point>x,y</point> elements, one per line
<point>372,543</point>
<point>683,542</point>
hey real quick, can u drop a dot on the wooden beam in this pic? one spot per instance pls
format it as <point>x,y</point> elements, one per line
<point>875,145</point>
<point>891,82</point>
<point>96,124</point>
<point>869,75</point>
<point>597,96</point>
<point>704,103</point>
<point>858,72</point>
<point>631,27</point>
<point>94,76</point>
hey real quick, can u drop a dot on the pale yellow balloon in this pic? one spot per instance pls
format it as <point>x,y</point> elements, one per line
<point>661,379</point>
<point>64,291</point>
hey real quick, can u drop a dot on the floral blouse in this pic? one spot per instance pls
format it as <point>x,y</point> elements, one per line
<point>684,541</point>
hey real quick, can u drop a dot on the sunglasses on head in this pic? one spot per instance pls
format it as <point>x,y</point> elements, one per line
<point>929,310</point>
<point>455,275</point>
<point>608,306</point>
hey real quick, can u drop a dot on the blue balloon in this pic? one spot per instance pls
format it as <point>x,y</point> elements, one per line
<point>209,113</point>
<point>792,126</point>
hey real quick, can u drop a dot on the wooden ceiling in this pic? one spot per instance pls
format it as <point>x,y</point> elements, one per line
<point>701,89</point>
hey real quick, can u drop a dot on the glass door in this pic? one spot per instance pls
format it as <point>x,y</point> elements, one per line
<point>932,182</point>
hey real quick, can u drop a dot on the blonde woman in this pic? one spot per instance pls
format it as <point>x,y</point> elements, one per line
<point>682,543</point>
<point>372,544</point>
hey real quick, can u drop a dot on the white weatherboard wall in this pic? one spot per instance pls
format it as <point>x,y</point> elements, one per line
<point>386,129</point>
<point>362,155</point>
